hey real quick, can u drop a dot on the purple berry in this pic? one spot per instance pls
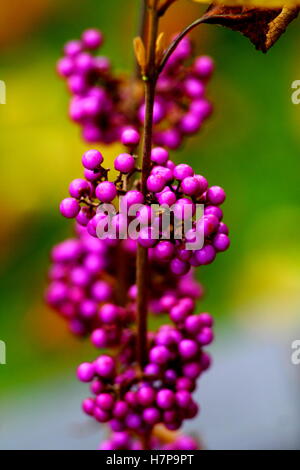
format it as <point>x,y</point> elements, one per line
<point>193,324</point>
<point>164,250</point>
<point>206,319</point>
<point>167,197</point>
<point>159,155</point>
<point>183,398</point>
<point>192,370</point>
<point>187,348</point>
<point>133,421</point>
<point>92,159</point>
<point>77,84</point>
<point>165,399</point>
<point>92,39</point>
<point>72,48</point>
<point>65,67</point>
<point>101,291</point>
<point>194,88</point>
<point>156,183</point>
<point>151,416</point>
<point>183,171</point>
<point>105,401</point>
<point>179,267</point>
<point>130,137</point>
<point>205,337</point>
<point>124,163</point>
<point>131,198</point>
<point>101,416</point>
<point>204,66</point>
<point>69,208</point>
<point>106,191</point>
<point>159,355</point>
<point>86,372</point>
<point>108,313</point>
<point>88,406</point>
<point>221,242</point>
<point>146,396</point>
<point>206,255</point>
<point>216,195</point>
<point>105,366</point>
<point>79,188</point>
<point>190,186</point>
<point>99,338</point>
<point>120,409</point>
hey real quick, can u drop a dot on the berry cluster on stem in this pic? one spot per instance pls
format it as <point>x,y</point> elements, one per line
<point>142,385</point>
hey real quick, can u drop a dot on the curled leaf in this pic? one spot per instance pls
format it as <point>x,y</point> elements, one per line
<point>263,26</point>
<point>255,3</point>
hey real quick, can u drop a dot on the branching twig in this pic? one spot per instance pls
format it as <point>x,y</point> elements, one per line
<point>177,40</point>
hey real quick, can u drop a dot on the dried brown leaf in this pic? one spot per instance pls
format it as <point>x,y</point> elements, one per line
<point>263,26</point>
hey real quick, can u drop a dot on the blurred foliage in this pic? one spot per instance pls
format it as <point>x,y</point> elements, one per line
<point>250,147</point>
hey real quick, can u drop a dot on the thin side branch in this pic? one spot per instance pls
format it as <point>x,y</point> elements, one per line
<point>165,6</point>
<point>177,40</point>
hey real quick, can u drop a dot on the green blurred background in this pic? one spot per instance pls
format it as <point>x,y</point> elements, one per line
<point>251,146</point>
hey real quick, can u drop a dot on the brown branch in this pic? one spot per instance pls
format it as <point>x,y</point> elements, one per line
<point>142,253</point>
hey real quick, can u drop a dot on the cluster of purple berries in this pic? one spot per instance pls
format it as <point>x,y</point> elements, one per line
<point>101,101</point>
<point>87,282</point>
<point>181,106</point>
<point>123,440</point>
<point>82,286</point>
<point>170,186</point>
<point>77,282</point>
<point>163,393</point>
<point>96,93</point>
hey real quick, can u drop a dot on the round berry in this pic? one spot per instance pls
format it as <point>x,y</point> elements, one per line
<point>190,186</point>
<point>159,355</point>
<point>69,208</point>
<point>187,348</point>
<point>130,137</point>
<point>183,171</point>
<point>167,197</point>
<point>206,255</point>
<point>105,401</point>
<point>146,396</point>
<point>108,313</point>
<point>124,163</point>
<point>86,372</point>
<point>106,191</point>
<point>105,366</point>
<point>92,39</point>
<point>159,155</point>
<point>156,183</point>
<point>216,195</point>
<point>151,416</point>
<point>88,406</point>
<point>179,267</point>
<point>221,242</point>
<point>92,159</point>
<point>165,399</point>
<point>164,250</point>
<point>65,67</point>
<point>204,66</point>
<point>72,48</point>
<point>79,188</point>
